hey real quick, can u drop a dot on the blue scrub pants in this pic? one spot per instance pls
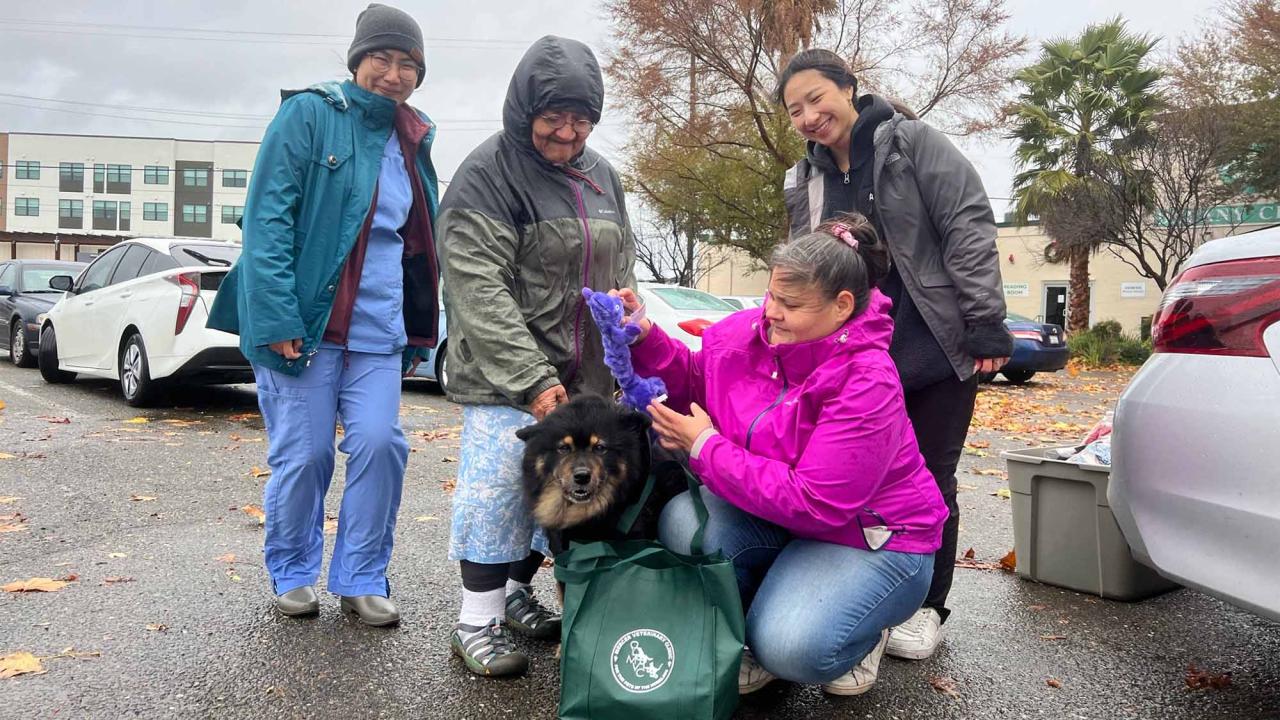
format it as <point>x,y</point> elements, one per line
<point>362,391</point>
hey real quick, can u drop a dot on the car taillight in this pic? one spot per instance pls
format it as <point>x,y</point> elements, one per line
<point>695,327</point>
<point>1027,334</point>
<point>1219,309</point>
<point>189,283</point>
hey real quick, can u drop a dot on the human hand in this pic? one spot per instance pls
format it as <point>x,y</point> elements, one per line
<point>989,365</point>
<point>630,306</point>
<point>677,431</point>
<point>547,401</point>
<point>290,349</point>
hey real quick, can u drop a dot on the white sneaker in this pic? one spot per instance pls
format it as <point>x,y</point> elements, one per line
<point>751,674</point>
<point>863,675</point>
<point>918,637</point>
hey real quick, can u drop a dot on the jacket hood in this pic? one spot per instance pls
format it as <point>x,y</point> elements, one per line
<point>345,94</point>
<point>554,71</point>
<point>872,110</point>
<point>871,329</point>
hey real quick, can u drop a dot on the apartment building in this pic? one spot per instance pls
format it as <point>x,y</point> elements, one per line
<point>63,191</point>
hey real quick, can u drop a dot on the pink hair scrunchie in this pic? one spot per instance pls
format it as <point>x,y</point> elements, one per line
<point>844,234</point>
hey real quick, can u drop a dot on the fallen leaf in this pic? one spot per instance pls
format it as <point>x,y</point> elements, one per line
<point>8,499</point>
<point>1009,563</point>
<point>54,420</point>
<point>39,584</point>
<point>7,456</point>
<point>182,423</point>
<point>142,498</point>
<point>425,518</point>
<point>1003,493</point>
<point>20,663</point>
<point>962,486</point>
<point>14,522</point>
<point>1037,608</point>
<point>228,558</point>
<point>241,417</point>
<point>116,580</point>
<point>258,472</point>
<point>945,686</point>
<point>978,444</point>
<point>256,513</point>
<point>157,627</point>
<point>136,421</point>
<point>1053,682</point>
<point>1198,679</point>
<point>990,473</point>
<point>117,555</point>
<point>968,554</point>
<point>449,459</point>
<point>331,526</point>
<point>1053,637</point>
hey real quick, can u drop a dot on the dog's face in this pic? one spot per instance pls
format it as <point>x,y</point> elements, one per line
<point>582,459</point>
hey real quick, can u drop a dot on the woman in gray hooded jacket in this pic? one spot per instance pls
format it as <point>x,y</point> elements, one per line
<point>532,216</point>
<point>870,156</point>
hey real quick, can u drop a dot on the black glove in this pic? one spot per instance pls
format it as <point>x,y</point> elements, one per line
<point>988,340</point>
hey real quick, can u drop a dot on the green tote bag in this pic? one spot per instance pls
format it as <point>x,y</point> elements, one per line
<point>647,632</point>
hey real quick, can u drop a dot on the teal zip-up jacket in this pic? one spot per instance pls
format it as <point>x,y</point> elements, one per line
<point>310,194</point>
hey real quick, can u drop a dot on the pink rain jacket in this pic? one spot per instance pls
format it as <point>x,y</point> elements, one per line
<point>814,436</point>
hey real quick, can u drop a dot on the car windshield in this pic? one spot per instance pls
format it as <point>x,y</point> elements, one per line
<point>689,299</point>
<point>1015,317</point>
<point>36,279</point>
<point>215,255</point>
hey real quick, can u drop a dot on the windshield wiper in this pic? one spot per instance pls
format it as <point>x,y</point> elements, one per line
<point>206,259</point>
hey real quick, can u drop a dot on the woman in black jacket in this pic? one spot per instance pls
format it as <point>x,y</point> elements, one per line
<point>870,156</point>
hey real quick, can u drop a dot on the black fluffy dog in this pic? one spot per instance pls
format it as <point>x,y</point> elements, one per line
<point>585,463</point>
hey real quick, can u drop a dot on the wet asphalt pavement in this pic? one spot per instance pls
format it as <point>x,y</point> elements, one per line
<point>163,622</point>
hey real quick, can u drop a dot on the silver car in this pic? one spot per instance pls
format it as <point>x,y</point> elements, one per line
<point>682,312</point>
<point>1195,483</point>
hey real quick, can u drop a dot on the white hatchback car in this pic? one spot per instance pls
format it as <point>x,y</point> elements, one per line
<point>1194,481</point>
<point>137,314</point>
<point>682,312</point>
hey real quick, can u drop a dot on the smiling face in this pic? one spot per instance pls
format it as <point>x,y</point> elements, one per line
<point>800,312</point>
<point>820,110</point>
<point>389,73</point>
<point>563,144</point>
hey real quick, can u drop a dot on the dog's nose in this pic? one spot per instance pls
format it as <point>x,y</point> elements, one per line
<point>581,476</point>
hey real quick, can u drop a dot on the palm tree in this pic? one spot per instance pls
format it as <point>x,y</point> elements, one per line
<point>1082,104</point>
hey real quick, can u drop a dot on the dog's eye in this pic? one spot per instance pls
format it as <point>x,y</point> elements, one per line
<point>563,448</point>
<point>600,449</point>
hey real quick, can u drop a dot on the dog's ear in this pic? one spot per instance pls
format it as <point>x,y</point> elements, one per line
<point>528,431</point>
<point>637,421</point>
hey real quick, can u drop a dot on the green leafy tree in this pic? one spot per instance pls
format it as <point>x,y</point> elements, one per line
<point>1084,102</point>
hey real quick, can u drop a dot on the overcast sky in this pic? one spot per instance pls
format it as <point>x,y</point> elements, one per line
<point>108,62</point>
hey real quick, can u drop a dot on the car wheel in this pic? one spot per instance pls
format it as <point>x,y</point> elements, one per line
<point>135,375</point>
<point>442,368</point>
<point>986,377</point>
<point>48,358</point>
<point>18,354</point>
<point>1018,377</point>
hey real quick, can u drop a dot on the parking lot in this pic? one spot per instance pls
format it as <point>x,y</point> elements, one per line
<point>150,516</point>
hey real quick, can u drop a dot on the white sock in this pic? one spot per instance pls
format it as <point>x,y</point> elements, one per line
<point>480,608</point>
<point>514,585</point>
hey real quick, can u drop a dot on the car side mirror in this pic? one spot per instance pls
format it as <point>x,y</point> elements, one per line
<point>61,282</point>
<point>5,290</point>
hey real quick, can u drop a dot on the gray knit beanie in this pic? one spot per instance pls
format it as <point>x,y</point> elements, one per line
<point>382,27</point>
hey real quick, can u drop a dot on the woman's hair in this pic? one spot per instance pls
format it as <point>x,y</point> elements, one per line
<point>833,68</point>
<point>824,260</point>
<point>831,65</point>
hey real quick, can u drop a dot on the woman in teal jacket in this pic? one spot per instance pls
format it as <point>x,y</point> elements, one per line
<point>334,298</point>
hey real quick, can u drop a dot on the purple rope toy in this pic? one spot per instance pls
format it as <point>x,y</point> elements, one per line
<point>606,311</point>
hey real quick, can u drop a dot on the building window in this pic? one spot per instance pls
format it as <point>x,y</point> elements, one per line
<point>155,211</point>
<point>26,207</point>
<point>71,214</point>
<point>195,177</point>
<point>232,213</point>
<point>195,213</point>
<point>119,173</point>
<point>104,215</point>
<point>124,215</point>
<point>155,175</point>
<point>70,177</point>
<point>235,178</point>
<point>99,178</point>
<point>27,170</point>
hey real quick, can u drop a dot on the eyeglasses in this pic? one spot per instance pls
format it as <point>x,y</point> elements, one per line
<point>382,63</point>
<point>581,126</point>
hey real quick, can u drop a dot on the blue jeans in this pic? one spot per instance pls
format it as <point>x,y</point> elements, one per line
<point>814,609</point>
<point>301,413</point>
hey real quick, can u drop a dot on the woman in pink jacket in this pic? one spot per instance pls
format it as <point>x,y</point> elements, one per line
<point>816,489</point>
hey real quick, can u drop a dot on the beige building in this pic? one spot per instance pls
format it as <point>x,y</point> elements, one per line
<point>1033,287</point>
<point>66,196</point>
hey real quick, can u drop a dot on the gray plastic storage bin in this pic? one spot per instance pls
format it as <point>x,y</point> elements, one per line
<point>1064,533</point>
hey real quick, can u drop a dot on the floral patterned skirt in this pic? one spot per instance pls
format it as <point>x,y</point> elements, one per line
<point>492,522</point>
